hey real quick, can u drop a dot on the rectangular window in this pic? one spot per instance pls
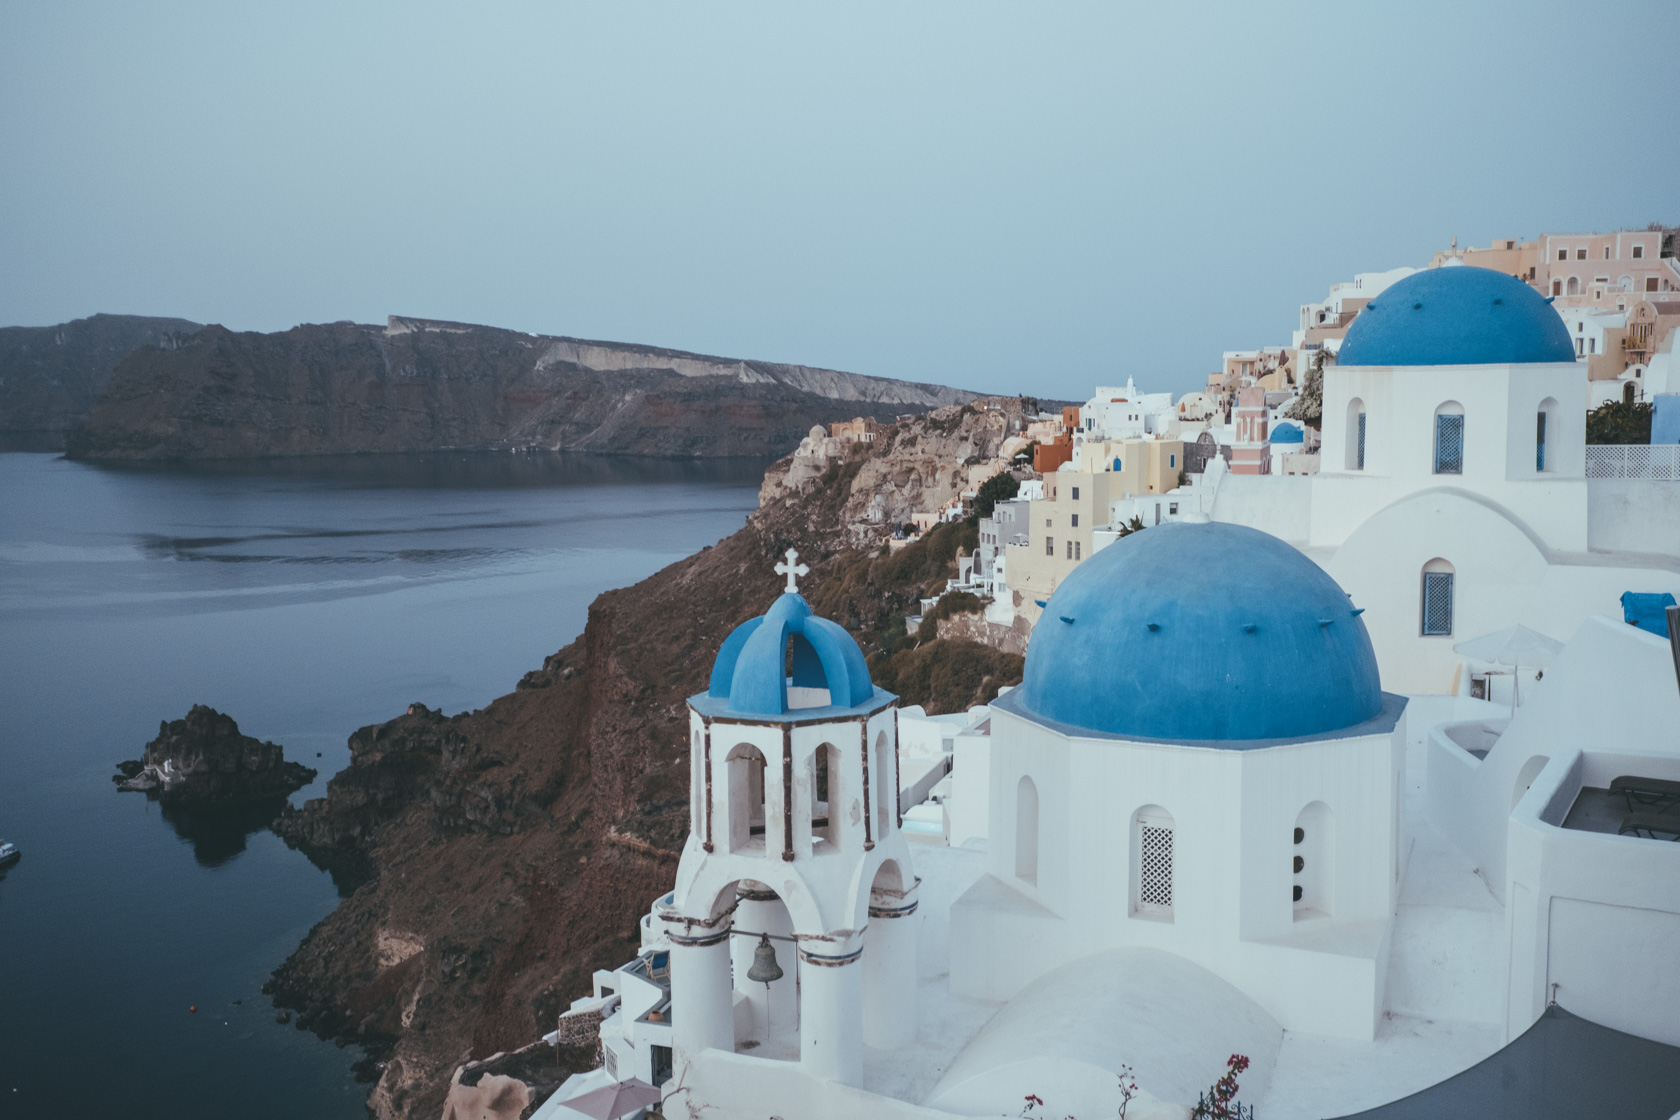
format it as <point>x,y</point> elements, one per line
<point>1607,252</point>
<point>1539,441</point>
<point>1078,549</point>
<point>1580,254</point>
<point>1172,460</point>
<point>1563,254</point>
<point>1580,350</point>
<point>662,1068</point>
<point>1361,459</point>
<point>1070,550</point>
<point>1076,497</point>
<point>1076,521</point>
<point>1172,508</point>
<point>1639,252</point>
<point>1650,283</point>
<point>1050,546</point>
<point>1437,604</point>
<point>1449,444</point>
<point>1592,345</point>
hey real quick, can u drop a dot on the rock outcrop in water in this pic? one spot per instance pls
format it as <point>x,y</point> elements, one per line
<point>424,385</point>
<point>512,850</point>
<point>50,376</point>
<point>203,759</point>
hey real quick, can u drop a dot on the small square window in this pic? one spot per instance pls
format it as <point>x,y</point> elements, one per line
<point>1580,254</point>
<point>1639,252</point>
<point>1650,283</point>
<point>1563,254</point>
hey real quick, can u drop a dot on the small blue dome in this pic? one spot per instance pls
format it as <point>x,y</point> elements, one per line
<point>1285,432</point>
<point>1456,316</point>
<point>751,668</point>
<point>1210,632</point>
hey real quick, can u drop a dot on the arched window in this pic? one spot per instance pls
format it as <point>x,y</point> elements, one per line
<point>1026,830</point>
<point>1557,287</point>
<point>1436,615</point>
<point>1152,863</point>
<point>823,770</point>
<point>1311,862</point>
<point>1545,428</point>
<point>1356,435</point>
<point>1449,438</point>
<point>1574,287</point>
<point>746,798</point>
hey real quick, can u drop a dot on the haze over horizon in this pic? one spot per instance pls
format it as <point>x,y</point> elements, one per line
<point>997,198</point>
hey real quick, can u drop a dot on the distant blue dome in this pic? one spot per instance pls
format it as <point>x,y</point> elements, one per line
<point>751,668</point>
<point>1210,632</point>
<point>1456,316</point>
<point>1285,432</point>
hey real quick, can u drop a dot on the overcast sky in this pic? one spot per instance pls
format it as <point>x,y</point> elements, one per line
<point>1009,198</point>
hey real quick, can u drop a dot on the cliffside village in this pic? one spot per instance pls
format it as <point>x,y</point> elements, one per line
<point>1344,746</point>
<point>1126,459</point>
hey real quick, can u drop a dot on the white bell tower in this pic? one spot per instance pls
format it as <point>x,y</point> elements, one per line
<point>795,837</point>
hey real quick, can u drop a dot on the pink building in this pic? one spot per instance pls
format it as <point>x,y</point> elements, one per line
<point>1604,269</point>
<point>1249,447</point>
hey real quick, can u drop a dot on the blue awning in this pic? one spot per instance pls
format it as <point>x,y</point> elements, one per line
<point>1647,610</point>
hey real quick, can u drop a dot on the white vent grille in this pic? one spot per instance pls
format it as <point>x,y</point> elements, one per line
<point>1155,871</point>
<point>611,1062</point>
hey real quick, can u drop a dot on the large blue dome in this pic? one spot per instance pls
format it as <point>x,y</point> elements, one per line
<point>1456,316</point>
<point>1209,632</point>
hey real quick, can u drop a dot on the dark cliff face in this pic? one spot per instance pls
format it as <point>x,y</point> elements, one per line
<point>504,854</point>
<point>417,385</point>
<point>50,376</point>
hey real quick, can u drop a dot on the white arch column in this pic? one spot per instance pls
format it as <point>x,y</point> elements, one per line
<point>760,910</point>
<point>889,970</point>
<point>702,994</point>
<point>831,1009</point>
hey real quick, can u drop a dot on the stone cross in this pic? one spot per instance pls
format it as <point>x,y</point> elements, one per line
<point>793,570</point>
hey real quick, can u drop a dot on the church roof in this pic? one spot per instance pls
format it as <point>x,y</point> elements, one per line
<point>751,671</point>
<point>1286,432</point>
<point>1453,317</point>
<point>1209,632</point>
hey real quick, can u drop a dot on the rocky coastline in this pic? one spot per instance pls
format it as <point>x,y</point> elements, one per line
<point>508,852</point>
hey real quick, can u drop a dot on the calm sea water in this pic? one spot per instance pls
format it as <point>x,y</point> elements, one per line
<point>305,598</point>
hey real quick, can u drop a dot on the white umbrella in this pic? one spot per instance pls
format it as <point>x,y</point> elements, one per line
<point>1515,646</point>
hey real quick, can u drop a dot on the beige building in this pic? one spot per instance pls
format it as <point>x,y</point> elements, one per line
<point>1076,502</point>
<point>1510,255</point>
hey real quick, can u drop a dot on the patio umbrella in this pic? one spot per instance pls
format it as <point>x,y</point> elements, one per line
<point>612,1101</point>
<point>1515,646</point>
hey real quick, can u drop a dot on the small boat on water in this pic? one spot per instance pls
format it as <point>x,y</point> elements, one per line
<point>8,852</point>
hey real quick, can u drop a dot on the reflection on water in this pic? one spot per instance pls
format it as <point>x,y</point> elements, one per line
<point>305,598</point>
<point>217,832</point>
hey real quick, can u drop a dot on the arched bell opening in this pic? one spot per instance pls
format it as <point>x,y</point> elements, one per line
<point>765,965</point>
<point>825,780</point>
<point>807,683</point>
<point>744,798</point>
<point>889,959</point>
<point>884,777</point>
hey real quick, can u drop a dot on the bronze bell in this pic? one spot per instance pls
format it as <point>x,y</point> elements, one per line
<point>764,967</point>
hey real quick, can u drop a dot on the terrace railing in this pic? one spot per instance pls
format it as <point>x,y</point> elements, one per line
<point>1634,460</point>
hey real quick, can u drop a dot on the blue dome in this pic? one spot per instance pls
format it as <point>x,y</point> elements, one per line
<point>1209,632</point>
<point>1456,316</point>
<point>751,668</point>
<point>1286,432</point>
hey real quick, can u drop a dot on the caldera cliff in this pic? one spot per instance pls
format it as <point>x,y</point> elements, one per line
<point>502,855</point>
<point>427,385</point>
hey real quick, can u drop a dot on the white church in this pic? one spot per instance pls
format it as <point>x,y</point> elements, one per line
<point>1232,808</point>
